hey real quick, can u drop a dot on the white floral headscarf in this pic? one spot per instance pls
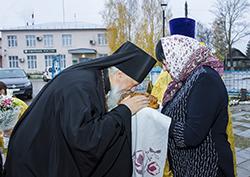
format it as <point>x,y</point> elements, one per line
<point>177,50</point>
<point>182,56</point>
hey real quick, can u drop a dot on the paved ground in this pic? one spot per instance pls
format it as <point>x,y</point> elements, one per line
<point>241,125</point>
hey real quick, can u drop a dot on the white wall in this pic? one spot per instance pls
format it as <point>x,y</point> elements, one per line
<point>80,39</point>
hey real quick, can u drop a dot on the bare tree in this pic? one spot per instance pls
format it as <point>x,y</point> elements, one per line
<point>232,13</point>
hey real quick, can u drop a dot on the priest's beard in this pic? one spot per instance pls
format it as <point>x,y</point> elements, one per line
<point>113,97</point>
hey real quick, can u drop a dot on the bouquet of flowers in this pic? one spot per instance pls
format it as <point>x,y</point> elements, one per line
<point>9,112</point>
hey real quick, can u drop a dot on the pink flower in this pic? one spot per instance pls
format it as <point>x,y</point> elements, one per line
<point>153,168</point>
<point>138,161</point>
<point>6,103</point>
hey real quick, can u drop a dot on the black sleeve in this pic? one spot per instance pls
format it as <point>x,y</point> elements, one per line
<point>204,101</point>
<point>1,165</point>
<point>89,137</point>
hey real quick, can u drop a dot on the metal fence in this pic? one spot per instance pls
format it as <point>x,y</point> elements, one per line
<point>237,80</point>
<point>234,81</point>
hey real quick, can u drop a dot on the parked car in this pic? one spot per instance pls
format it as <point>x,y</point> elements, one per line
<point>17,81</point>
<point>47,75</point>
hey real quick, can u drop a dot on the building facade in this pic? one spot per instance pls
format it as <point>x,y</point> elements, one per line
<point>34,47</point>
<point>240,61</point>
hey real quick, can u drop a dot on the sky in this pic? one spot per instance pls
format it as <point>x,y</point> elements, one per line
<point>17,12</point>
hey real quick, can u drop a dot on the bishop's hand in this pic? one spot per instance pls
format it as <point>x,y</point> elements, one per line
<point>135,103</point>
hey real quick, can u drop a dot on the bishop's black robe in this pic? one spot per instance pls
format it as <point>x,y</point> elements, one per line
<point>66,132</point>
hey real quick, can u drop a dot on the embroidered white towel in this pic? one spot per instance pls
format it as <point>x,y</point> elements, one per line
<point>149,142</point>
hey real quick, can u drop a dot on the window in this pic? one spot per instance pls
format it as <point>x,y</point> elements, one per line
<point>241,64</point>
<point>31,40</point>
<point>102,39</point>
<point>12,41</point>
<point>102,55</point>
<point>32,61</point>
<point>13,61</point>
<point>67,40</point>
<point>48,40</point>
<point>48,60</point>
<point>63,61</point>
<point>235,63</point>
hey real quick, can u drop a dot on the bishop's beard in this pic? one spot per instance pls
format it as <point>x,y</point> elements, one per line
<point>113,97</point>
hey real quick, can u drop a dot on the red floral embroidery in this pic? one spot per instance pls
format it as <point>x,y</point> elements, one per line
<point>146,162</point>
<point>153,168</point>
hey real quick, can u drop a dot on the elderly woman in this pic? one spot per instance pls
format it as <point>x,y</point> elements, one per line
<point>197,101</point>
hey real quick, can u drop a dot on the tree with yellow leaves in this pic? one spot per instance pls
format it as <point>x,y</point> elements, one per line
<point>149,29</point>
<point>119,17</point>
<point>125,21</point>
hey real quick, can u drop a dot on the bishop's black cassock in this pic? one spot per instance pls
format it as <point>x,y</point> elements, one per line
<point>66,132</point>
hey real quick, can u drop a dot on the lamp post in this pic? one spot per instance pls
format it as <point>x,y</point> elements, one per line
<point>186,9</point>
<point>163,6</point>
